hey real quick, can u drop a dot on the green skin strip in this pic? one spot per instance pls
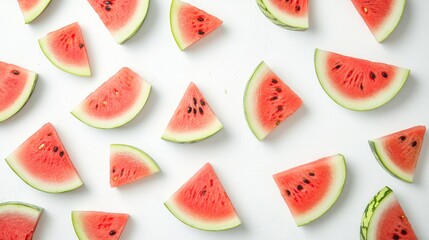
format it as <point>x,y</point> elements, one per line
<point>273,19</point>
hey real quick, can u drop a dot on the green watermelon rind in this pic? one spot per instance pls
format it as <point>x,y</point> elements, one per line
<point>32,14</point>
<point>174,9</point>
<point>379,100</point>
<point>280,19</point>
<point>25,208</point>
<point>22,99</point>
<point>194,136</point>
<point>78,227</point>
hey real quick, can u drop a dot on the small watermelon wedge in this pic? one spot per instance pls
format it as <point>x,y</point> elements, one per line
<point>129,164</point>
<point>384,218</point>
<point>289,14</point>
<point>202,203</point>
<point>18,220</point>
<point>399,152</point>
<point>358,84</point>
<point>268,101</point>
<point>381,16</point>
<point>66,49</point>
<point>310,190</point>
<point>123,18</point>
<point>43,163</point>
<point>115,102</point>
<point>193,120</point>
<point>190,24</point>
<point>31,9</point>
<point>16,86</point>
<point>92,225</point>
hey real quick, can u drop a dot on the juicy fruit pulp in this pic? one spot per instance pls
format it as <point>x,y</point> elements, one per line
<point>16,86</point>
<point>123,18</point>
<point>358,84</point>
<point>202,203</point>
<point>91,225</point>
<point>312,189</point>
<point>268,101</point>
<point>381,16</point>
<point>399,152</point>
<point>193,119</point>
<point>129,164</point>
<point>290,14</point>
<point>43,163</point>
<point>31,9</point>
<point>189,24</point>
<point>66,49</point>
<point>18,220</point>
<point>115,102</point>
<point>384,218</point>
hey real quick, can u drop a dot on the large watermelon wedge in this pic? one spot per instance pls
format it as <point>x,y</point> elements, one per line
<point>268,101</point>
<point>202,203</point>
<point>190,24</point>
<point>115,102</point>
<point>399,152</point>
<point>123,18</point>
<point>31,9</point>
<point>16,86</point>
<point>66,49</point>
<point>384,219</point>
<point>18,220</point>
<point>381,16</point>
<point>43,163</point>
<point>91,225</point>
<point>312,189</point>
<point>290,14</point>
<point>358,84</point>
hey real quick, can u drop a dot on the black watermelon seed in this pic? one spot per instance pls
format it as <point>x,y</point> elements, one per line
<point>361,86</point>
<point>384,74</point>
<point>195,101</point>
<point>274,98</point>
<point>372,75</point>
<point>297,8</point>
<point>414,143</point>
<point>201,32</point>
<point>311,174</point>
<point>200,19</point>
<point>107,2</point>
<point>287,0</point>
<point>16,72</point>
<point>61,153</point>
<point>195,111</point>
<point>113,170</point>
<point>203,192</point>
<point>338,66</point>
<point>201,110</point>
<point>55,149</point>
<point>274,80</point>
<point>113,232</point>
<point>402,138</point>
<point>277,122</point>
<point>107,8</point>
<point>189,109</point>
<point>395,237</point>
<point>280,108</point>
<point>278,90</point>
<point>202,102</point>
<point>306,181</point>
<point>403,232</point>
<point>299,187</point>
<point>288,192</point>
<point>81,45</point>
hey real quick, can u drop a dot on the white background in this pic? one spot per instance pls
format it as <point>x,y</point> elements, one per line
<point>220,65</point>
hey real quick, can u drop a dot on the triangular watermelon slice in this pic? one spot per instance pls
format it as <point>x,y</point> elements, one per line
<point>310,190</point>
<point>18,220</point>
<point>129,164</point>
<point>289,14</point>
<point>399,152</point>
<point>193,119</point>
<point>202,203</point>
<point>190,24</point>
<point>43,163</point>
<point>122,18</point>
<point>92,225</point>
<point>31,9</point>
<point>66,49</point>
<point>381,16</point>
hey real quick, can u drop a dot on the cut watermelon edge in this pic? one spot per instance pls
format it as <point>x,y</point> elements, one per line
<point>24,208</point>
<point>32,14</point>
<point>193,136</point>
<point>280,19</point>
<point>391,22</point>
<point>142,156</point>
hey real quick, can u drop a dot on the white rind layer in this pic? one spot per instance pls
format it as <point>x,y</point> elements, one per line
<point>34,12</point>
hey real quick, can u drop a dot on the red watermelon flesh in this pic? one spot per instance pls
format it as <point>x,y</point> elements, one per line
<point>91,225</point>
<point>394,224</point>
<point>18,221</point>
<point>297,8</point>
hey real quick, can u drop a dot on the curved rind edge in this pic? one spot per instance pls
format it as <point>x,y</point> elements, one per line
<point>275,20</point>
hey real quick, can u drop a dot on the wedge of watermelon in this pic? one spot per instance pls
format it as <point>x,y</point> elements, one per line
<point>66,49</point>
<point>310,190</point>
<point>43,163</point>
<point>16,86</point>
<point>123,18</point>
<point>129,164</point>
<point>202,203</point>
<point>18,220</point>
<point>268,101</point>
<point>399,152</point>
<point>31,9</point>
<point>193,119</point>
<point>190,24</point>
<point>115,102</point>
<point>384,218</point>
<point>289,14</point>
<point>381,16</point>
<point>358,84</point>
<point>91,225</point>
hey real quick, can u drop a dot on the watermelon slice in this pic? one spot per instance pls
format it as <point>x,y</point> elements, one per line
<point>123,18</point>
<point>129,164</point>
<point>312,189</point>
<point>358,84</point>
<point>202,203</point>
<point>399,152</point>
<point>31,9</point>
<point>91,225</point>
<point>193,119</point>
<point>115,102</point>
<point>289,14</point>
<point>190,24</point>
<point>18,220</point>
<point>43,163</point>
<point>16,86</point>
<point>381,16</point>
<point>268,101</point>
<point>384,218</point>
<point>66,49</point>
